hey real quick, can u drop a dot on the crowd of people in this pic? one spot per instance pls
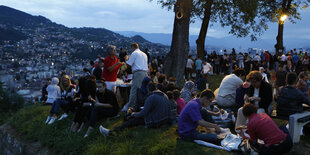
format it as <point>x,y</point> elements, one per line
<point>156,100</point>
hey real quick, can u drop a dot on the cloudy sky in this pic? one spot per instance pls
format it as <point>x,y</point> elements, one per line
<point>133,15</point>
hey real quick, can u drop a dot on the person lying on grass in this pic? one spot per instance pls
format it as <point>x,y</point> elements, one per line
<point>191,117</point>
<point>155,113</point>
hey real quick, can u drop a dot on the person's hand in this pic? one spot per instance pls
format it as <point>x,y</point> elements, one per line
<point>122,63</point>
<point>222,111</point>
<point>218,129</point>
<point>242,135</point>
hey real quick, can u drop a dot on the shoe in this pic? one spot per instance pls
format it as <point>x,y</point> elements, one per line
<point>63,116</point>
<point>104,131</point>
<point>52,120</point>
<point>88,132</point>
<point>48,119</point>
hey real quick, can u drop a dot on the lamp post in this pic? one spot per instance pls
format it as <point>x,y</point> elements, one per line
<point>279,45</point>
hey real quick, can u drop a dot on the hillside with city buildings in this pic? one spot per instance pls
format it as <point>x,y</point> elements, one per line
<point>33,48</point>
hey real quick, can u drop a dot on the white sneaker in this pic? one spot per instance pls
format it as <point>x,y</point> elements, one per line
<point>88,132</point>
<point>48,119</point>
<point>104,131</point>
<point>52,120</point>
<point>63,116</point>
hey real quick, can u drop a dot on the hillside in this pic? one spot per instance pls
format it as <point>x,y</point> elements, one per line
<point>26,33</point>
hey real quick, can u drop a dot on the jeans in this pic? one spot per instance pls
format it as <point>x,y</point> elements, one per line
<point>130,123</point>
<point>56,105</point>
<point>100,112</point>
<point>136,83</point>
<point>281,148</point>
<point>208,137</point>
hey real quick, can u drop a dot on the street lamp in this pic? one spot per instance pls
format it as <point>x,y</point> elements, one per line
<point>283,18</point>
<point>279,45</point>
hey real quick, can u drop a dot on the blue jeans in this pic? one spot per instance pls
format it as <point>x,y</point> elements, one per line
<point>56,105</point>
<point>208,137</point>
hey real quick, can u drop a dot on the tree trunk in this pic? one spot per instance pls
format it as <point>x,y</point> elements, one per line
<point>203,30</point>
<point>175,60</point>
<point>279,45</point>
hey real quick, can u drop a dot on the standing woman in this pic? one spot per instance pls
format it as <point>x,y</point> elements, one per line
<point>110,69</point>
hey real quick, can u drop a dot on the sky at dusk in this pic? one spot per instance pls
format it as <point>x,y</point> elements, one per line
<point>134,15</point>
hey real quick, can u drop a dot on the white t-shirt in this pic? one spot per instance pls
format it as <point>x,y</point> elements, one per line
<point>138,61</point>
<point>189,63</point>
<point>256,94</point>
<point>206,68</point>
<point>229,85</point>
<point>283,58</point>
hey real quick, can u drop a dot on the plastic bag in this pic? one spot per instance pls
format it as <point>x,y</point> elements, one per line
<point>231,142</point>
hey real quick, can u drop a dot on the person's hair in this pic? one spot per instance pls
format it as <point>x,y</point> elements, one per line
<point>301,75</point>
<point>254,75</point>
<point>110,49</point>
<point>176,94</point>
<point>280,66</point>
<point>207,93</point>
<point>172,79</point>
<point>91,62</point>
<point>151,86</point>
<point>239,71</point>
<point>101,81</point>
<point>134,45</point>
<point>291,78</point>
<point>170,95</point>
<point>86,70</point>
<point>62,86</point>
<point>249,109</point>
<point>161,78</point>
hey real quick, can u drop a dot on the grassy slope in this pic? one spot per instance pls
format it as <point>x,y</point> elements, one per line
<point>29,122</point>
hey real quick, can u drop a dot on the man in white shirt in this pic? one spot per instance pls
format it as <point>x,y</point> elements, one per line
<point>189,67</point>
<point>206,68</point>
<point>227,90</point>
<point>138,63</point>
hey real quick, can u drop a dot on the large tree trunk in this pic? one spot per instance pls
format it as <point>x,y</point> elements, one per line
<point>203,30</point>
<point>279,45</point>
<point>175,60</point>
<point>286,6</point>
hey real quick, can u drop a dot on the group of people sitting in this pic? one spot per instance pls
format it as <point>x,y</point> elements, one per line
<point>158,101</point>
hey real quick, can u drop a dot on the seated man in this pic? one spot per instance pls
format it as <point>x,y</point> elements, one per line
<point>261,126</point>
<point>155,113</point>
<point>227,90</point>
<point>290,99</point>
<point>191,117</point>
<point>105,105</point>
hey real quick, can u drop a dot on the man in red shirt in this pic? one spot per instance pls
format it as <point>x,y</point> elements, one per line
<point>110,69</point>
<point>261,126</point>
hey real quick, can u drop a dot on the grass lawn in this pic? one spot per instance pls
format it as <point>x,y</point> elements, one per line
<point>29,124</point>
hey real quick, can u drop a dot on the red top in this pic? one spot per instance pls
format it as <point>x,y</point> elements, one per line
<point>181,104</point>
<point>262,127</point>
<point>110,75</point>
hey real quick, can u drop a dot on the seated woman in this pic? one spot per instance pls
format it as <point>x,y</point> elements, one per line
<point>87,93</point>
<point>261,126</point>
<point>186,92</point>
<point>155,113</point>
<point>64,99</point>
<point>142,93</point>
<point>260,94</point>
<point>105,106</point>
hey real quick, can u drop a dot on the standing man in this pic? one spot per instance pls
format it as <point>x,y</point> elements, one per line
<point>111,66</point>
<point>198,64</point>
<point>138,63</point>
<point>189,67</point>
